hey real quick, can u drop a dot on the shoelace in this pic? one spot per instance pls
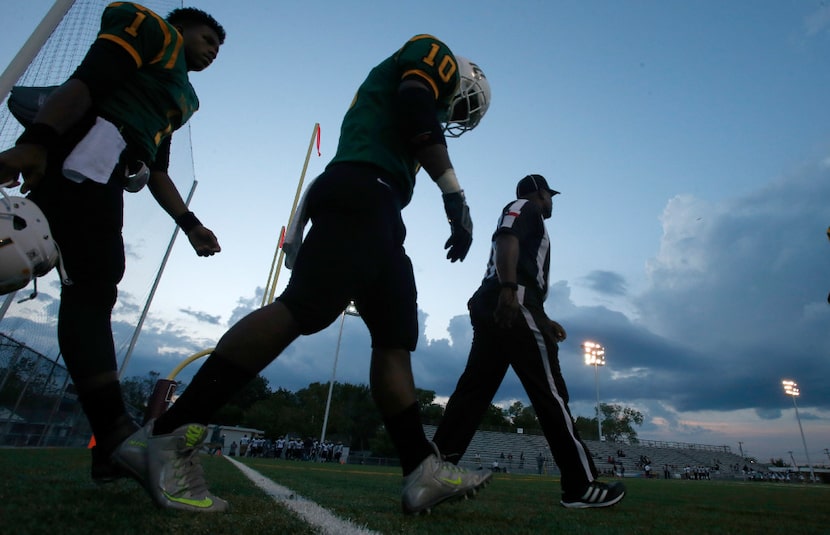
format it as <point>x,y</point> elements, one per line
<point>190,476</point>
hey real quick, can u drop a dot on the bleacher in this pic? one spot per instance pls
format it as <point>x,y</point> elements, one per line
<point>490,445</point>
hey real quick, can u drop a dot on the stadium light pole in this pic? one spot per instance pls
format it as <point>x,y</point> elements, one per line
<point>350,310</point>
<point>791,389</point>
<point>595,356</point>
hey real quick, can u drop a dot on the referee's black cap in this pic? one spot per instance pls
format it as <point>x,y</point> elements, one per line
<point>533,183</point>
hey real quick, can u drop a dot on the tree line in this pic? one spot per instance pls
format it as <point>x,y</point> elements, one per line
<point>354,419</point>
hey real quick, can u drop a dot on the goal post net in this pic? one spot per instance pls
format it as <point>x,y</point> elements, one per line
<point>147,228</point>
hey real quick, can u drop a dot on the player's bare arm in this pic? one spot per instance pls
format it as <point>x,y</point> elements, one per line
<point>202,239</point>
<point>65,107</point>
<point>507,258</point>
<point>419,120</point>
<point>418,117</point>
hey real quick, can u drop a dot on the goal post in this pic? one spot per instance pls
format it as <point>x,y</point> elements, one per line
<point>31,48</point>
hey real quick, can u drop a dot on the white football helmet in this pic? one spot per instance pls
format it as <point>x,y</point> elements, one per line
<point>27,249</point>
<point>472,100</point>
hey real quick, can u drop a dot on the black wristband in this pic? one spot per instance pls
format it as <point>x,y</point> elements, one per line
<point>188,221</point>
<point>39,134</point>
<point>512,285</point>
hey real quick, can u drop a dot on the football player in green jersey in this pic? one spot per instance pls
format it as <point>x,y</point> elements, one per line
<point>106,128</point>
<point>354,252</point>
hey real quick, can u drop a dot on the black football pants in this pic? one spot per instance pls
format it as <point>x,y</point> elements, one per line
<point>530,348</point>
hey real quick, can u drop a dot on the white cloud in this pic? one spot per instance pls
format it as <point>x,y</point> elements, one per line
<point>683,254</point>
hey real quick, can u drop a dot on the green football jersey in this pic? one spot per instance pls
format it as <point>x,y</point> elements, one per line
<point>369,133</point>
<point>158,98</point>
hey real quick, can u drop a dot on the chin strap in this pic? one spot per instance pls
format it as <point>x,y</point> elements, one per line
<point>64,276</point>
<point>65,280</point>
<point>31,295</point>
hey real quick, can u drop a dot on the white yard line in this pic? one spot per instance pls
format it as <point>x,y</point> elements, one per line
<point>317,516</point>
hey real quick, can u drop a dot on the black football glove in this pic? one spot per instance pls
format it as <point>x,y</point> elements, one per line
<point>461,226</point>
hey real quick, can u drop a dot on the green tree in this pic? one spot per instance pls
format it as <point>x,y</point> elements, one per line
<point>313,404</point>
<point>515,410</point>
<point>339,425</point>
<point>352,416</point>
<point>137,390</point>
<point>431,412</point>
<point>618,423</point>
<point>360,421</point>
<point>526,419</point>
<point>586,427</point>
<point>381,445</point>
<point>254,391</point>
<point>230,414</point>
<point>276,415</point>
<point>233,412</point>
<point>494,416</point>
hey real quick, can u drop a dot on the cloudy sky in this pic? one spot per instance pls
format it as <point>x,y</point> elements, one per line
<point>691,144</point>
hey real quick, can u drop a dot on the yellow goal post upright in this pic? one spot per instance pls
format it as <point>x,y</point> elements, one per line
<point>279,254</point>
<point>165,389</point>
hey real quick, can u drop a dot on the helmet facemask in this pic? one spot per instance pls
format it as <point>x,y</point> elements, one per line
<point>471,102</point>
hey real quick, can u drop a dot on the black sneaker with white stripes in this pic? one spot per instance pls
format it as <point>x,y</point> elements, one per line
<point>596,495</point>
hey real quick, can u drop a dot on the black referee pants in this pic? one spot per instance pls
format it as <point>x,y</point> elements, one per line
<point>530,347</point>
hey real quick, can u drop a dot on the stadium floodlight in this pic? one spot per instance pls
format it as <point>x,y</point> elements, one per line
<point>595,356</point>
<point>350,310</point>
<point>791,389</point>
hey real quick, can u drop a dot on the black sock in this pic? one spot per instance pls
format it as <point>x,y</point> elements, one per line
<point>216,382</point>
<point>104,408</point>
<point>407,435</point>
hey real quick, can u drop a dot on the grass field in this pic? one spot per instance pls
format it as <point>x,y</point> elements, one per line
<point>48,491</point>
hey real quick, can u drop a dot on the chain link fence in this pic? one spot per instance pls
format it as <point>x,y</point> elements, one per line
<point>38,403</point>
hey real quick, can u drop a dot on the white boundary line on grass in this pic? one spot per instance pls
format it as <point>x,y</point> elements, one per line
<point>309,511</point>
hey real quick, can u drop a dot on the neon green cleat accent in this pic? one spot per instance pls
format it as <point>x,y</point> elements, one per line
<point>436,481</point>
<point>202,504</point>
<point>174,476</point>
<point>194,435</point>
<point>176,472</point>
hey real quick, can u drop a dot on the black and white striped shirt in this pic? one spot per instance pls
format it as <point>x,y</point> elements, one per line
<point>524,220</point>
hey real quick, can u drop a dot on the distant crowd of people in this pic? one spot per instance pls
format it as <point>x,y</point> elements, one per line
<point>290,448</point>
<point>751,474</point>
<point>644,466</point>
